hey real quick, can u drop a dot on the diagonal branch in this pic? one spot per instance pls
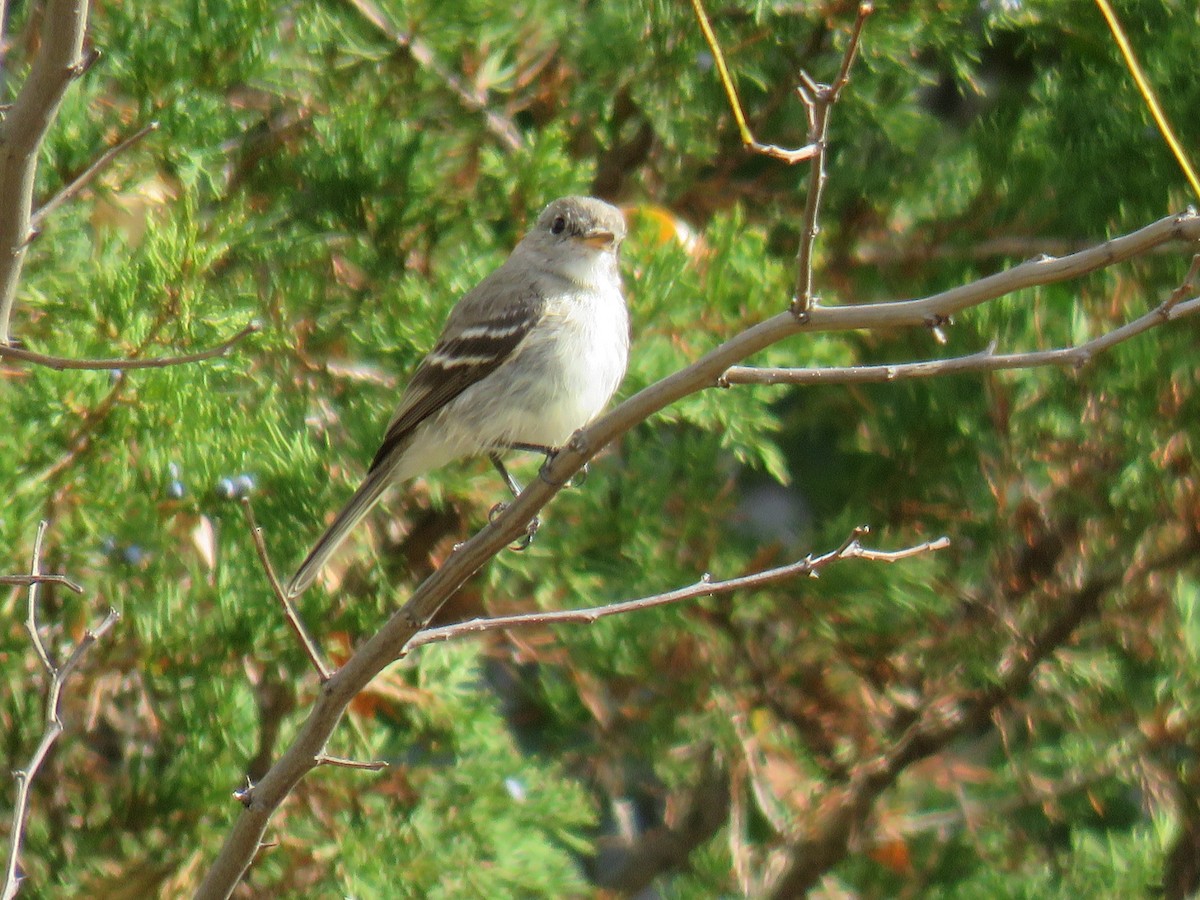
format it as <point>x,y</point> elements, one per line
<point>705,587</point>
<point>289,611</point>
<point>502,127</point>
<point>86,177</point>
<point>24,127</point>
<point>791,157</point>
<point>1147,92</point>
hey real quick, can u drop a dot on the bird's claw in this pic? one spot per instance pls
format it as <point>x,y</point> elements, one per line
<point>523,542</point>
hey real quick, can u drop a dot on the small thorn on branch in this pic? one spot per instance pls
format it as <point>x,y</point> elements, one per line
<point>245,795</point>
<point>92,56</point>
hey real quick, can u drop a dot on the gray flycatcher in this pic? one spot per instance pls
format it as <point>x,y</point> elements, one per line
<point>531,354</point>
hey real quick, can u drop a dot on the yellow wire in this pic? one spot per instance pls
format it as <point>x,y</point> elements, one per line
<point>1147,92</point>
<point>726,81</point>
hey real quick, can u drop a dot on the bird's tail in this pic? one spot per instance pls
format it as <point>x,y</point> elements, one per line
<point>360,504</point>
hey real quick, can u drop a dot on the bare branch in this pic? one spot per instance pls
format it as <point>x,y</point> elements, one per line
<point>22,131</point>
<point>502,127</point>
<point>984,361</point>
<point>818,102</point>
<point>850,549</point>
<point>54,726</point>
<point>160,362</point>
<point>325,759</point>
<point>1148,94</point>
<point>289,611</point>
<point>86,177</point>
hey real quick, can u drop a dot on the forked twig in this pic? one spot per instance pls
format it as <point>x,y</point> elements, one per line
<point>1173,308</point>
<point>423,55</point>
<point>818,101</point>
<point>808,151</point>
<point>54,725</point>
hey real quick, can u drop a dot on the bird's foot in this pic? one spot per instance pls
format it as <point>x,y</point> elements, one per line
<point>523,542</point>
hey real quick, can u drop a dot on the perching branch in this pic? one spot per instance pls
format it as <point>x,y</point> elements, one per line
<point>159,362</point>
<point>289,611</point>
<point>811,566</point>
<point>54,726</point>
<point>24,128</point>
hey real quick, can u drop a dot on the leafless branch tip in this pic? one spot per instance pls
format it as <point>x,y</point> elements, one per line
<point>324,671</point>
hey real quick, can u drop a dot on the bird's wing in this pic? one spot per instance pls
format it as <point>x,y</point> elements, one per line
<point>480,335</point>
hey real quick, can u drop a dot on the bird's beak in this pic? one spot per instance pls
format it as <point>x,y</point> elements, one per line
<point>601,240</point>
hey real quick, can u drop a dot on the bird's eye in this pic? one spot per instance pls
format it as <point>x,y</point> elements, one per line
<point>559,224</point>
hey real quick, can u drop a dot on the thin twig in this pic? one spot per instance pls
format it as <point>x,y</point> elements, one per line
<point>26,580</point>
<point>791,157</point>
<point>31,626</point>
<point>160,362</point>
<point>289,611</point>
<point>984,361</point>
<point>818,101</point>
<point>81,438</point>
<point>54,725</point>
<point>474,100</point>
<point>86,177</point>
<point>375,765</point>
<point>850,549</point>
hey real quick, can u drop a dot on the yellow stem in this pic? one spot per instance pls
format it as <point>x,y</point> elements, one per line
<point>1147,92</point>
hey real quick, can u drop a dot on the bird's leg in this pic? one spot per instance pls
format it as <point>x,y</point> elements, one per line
<point>549,452</point>
<point>515,486</point>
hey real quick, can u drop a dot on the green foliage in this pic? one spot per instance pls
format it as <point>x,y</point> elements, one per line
<point>311,175</point>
